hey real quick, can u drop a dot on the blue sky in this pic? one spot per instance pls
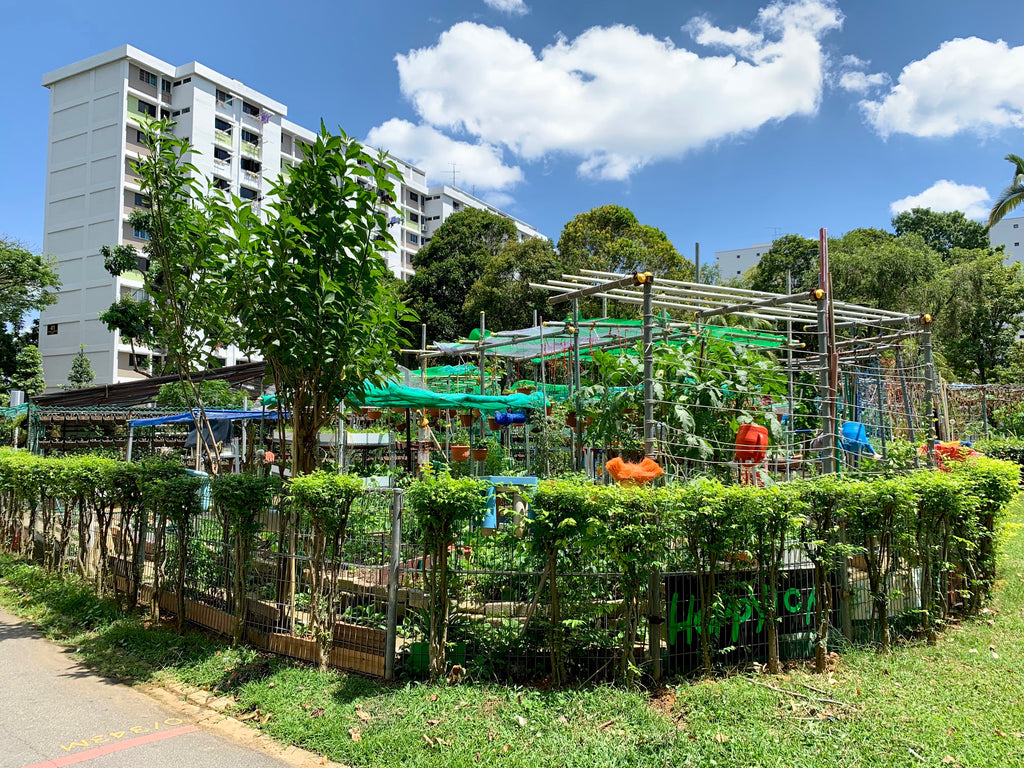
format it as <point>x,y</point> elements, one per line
<point>719,123</point>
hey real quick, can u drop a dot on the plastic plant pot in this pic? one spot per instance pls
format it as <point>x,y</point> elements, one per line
<point>492,423</point>
<point>460,453</point>
<point>466,419</point>
<point>570,419</point>
<point>479,454</point>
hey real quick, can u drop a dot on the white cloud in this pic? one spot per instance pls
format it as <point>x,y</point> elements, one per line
<point>498,199</point>
<point>854,62</point>
<point>945,195</point>
<point>860,82</point>
<point>476,165</point>
<point>618,99</point>
<point>968,84</point>
<point>508,6</point>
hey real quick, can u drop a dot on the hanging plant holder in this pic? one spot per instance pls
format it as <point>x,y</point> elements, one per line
<point>460,453</point>
<point>479,454</point>
<point>570,419</point>
<point>492,423</point>
<point>466,419</point>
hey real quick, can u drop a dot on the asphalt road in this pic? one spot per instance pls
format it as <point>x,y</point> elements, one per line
<point>54,712</point>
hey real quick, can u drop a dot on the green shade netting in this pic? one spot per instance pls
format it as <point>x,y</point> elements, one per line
<point>394,395</point>
<point>10,413</point>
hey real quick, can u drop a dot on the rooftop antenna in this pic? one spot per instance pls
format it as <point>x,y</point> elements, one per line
<point>775,231</point>
<point>454,172</point>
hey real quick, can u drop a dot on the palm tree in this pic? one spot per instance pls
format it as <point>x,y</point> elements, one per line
<point>1012,196</point>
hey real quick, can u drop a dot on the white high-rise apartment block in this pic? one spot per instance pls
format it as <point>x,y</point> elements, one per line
<point>732,264</point>
<point>243,140</point>
<point>1009,233</point>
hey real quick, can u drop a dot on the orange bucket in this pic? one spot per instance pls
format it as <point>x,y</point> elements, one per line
<point>751,444</point>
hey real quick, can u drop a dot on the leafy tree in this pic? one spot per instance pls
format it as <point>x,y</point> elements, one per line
<point>216,393</point>
<point>134,321</point>
<point>979,319</point>
<point>310,285</point>
<point>610,238</point>
<point>942,231</point>
<point>183,280</point>
<point>25,282</point>
<point>12,340</point>
<point>81,374</point>
<point>799,255</point>
<point>449,266</point>
<point>28,375</point>
<point>1010,197</point>
<point>503,290</point>
<point>878,269</point>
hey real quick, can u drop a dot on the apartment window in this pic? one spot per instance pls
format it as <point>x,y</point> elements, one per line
<point>141,200</point>
<point>221,184</point>
<point>455,205</point>
<point>247,194</point>
<point>249,109</point>
<point>737,256</point>
<point>51,329</point>
<point>1015,245</point>
<point>140,137</point>
<point>147,77</point>
<point>414,197</point>
<point>414,218</point>
<point>146,109</point>
<point>136,360</point>
<point>165,86</point>
<point>223,97</point>
<point>250,165</point>
<point>250,137</point>
<point>414,239</point>
<point>164,114</point>
<point>222,125</point>
<point>140,233</point>
<point>220,153</point>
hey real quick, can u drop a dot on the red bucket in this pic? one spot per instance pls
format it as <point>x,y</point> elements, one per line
<point>751,444</point>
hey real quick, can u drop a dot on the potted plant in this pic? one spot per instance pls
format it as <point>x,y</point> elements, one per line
<point>460,444</point>
<point>492,423</point>
<point>371,414</point>
<point>466,419</point>
<point>479,450</point>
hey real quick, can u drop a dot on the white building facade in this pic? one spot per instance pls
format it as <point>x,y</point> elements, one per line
<point>1009,233</point>
<point>243,140</point>
<point>732,264</point>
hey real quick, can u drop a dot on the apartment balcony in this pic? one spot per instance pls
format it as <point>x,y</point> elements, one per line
<point>226,107</point>
<point>252,178</point>
<point>251,150</point>
<point>224,166</point>
<point>252,120</point>
<point>223,138</point>
<point>138,117</point>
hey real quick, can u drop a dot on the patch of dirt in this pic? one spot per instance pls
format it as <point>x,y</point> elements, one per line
<point>664,701</point>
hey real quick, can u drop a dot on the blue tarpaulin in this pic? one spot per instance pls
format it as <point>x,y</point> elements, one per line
<point>186,418</point>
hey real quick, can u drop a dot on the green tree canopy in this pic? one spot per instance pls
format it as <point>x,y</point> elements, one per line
<point>610,238</point>
<point>980,314</point>
<point>793,253</point>
<point>941,231</point>
<point>503,290</point>
<point>215,393</point>
<point>26,280</point>
<point>878,269</point>
<point>311,288</point>
<point>448,267</point>
<point>81,374</point>
<point>28,375</point>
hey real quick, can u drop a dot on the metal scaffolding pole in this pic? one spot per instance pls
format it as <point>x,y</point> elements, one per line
<point>648,341</point>
<point>929,391</point>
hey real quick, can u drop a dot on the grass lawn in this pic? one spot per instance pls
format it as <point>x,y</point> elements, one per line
<point>959,703</point>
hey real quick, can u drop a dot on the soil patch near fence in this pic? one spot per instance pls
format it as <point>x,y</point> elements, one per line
<point>960,702</point>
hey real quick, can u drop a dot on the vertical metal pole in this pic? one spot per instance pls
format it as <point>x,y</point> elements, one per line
<point>391,633</point>
<point>824,394</point>
<point>648,340</point>
<point>929,389</point>
<point>696,263</point>
<point>907,411</point>
<point>544,389</point>
<point>881,405</point>
<point>984,408</point>
<point>655,622</point>
<point>131,439</point>
<point>483,379</point>
<point>423,353</point>
<point>790,392</point>
<point>578,431</point>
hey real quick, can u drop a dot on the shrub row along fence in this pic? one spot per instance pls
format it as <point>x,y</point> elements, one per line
<point>581,583</point>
